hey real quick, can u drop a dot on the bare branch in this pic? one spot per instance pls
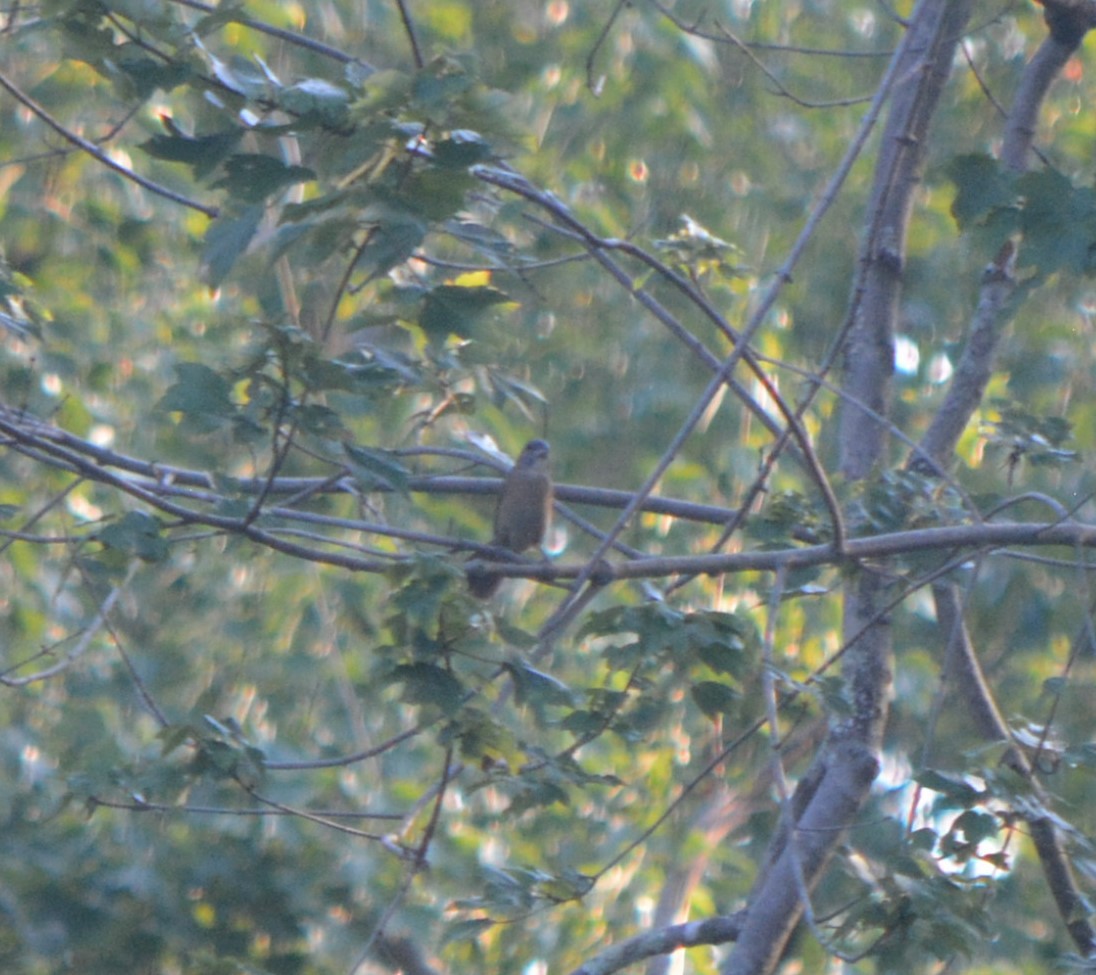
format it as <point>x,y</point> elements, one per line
<point>711,931</point>
<point>86,636</point>
<point>93,150</point>
<point>723,35</point>
<point>409,29</point>
<point>292,37</point>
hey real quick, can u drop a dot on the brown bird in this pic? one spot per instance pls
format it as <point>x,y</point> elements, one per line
<point>523,512</point>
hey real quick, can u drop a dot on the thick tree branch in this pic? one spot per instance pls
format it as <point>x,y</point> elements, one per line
<point>712,931</point>
<point>836,786</point>
<point>26,432</point>
<point>162,495</point>
<point>965,672</point>
<point>976,364</point>
<point>1068,22</point>
<point>925,58</point>
<point>842,788</point>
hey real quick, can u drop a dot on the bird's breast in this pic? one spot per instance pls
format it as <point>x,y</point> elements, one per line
<point>522,516</point>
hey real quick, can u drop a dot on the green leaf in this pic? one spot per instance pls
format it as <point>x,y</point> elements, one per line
<point>392,241</point>
<point>536,687</point>
<point>714,699</point>
<point>382,92</point>
<point>515,636</point>
<point>241,76</point>
<point>203,154</point>
<point>480,736</point>
<point>226,241</point>
<point>465,930</point>
<point>656,619</point>
<point>373,468</point>
<point>439,82</point>
<point>252,177</point>
<point>953,790</point>
<point>536,796</point>
<point>982,186</point>
<point>723,658</point>
<point>319,420</point>
<point>643,719</point>
<point>422,587</point>
<point>452,310</point>
<point>436,193</point>
<point>198,392</point>
<point>149,74</point>
<point>318,98</point>
<point>486,240</point>
<point>426,684</point>
<point>136,533</point>
<point>1058,222</point>
<point>977,826</point>
<point>462,149</point>
<point>583,723</point>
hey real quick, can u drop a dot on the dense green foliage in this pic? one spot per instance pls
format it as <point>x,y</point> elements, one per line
<point>252,719</point>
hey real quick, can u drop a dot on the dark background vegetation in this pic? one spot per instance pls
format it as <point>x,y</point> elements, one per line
<point>282,283</point>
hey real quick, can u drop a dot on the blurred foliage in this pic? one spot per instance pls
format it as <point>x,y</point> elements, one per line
<point>245,760</point>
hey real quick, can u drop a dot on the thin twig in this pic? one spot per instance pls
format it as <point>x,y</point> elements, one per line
<point>95,152</point>
<point>409,29</point>
<point>292,37</point>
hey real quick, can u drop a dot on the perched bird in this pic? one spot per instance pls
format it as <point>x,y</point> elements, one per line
<point>523,511</point>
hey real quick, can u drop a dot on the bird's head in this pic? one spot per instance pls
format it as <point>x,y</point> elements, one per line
<point>534,454</point>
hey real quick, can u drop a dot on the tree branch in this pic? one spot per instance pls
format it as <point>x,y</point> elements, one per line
<point>712,931</point>
<point>94,151</point>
